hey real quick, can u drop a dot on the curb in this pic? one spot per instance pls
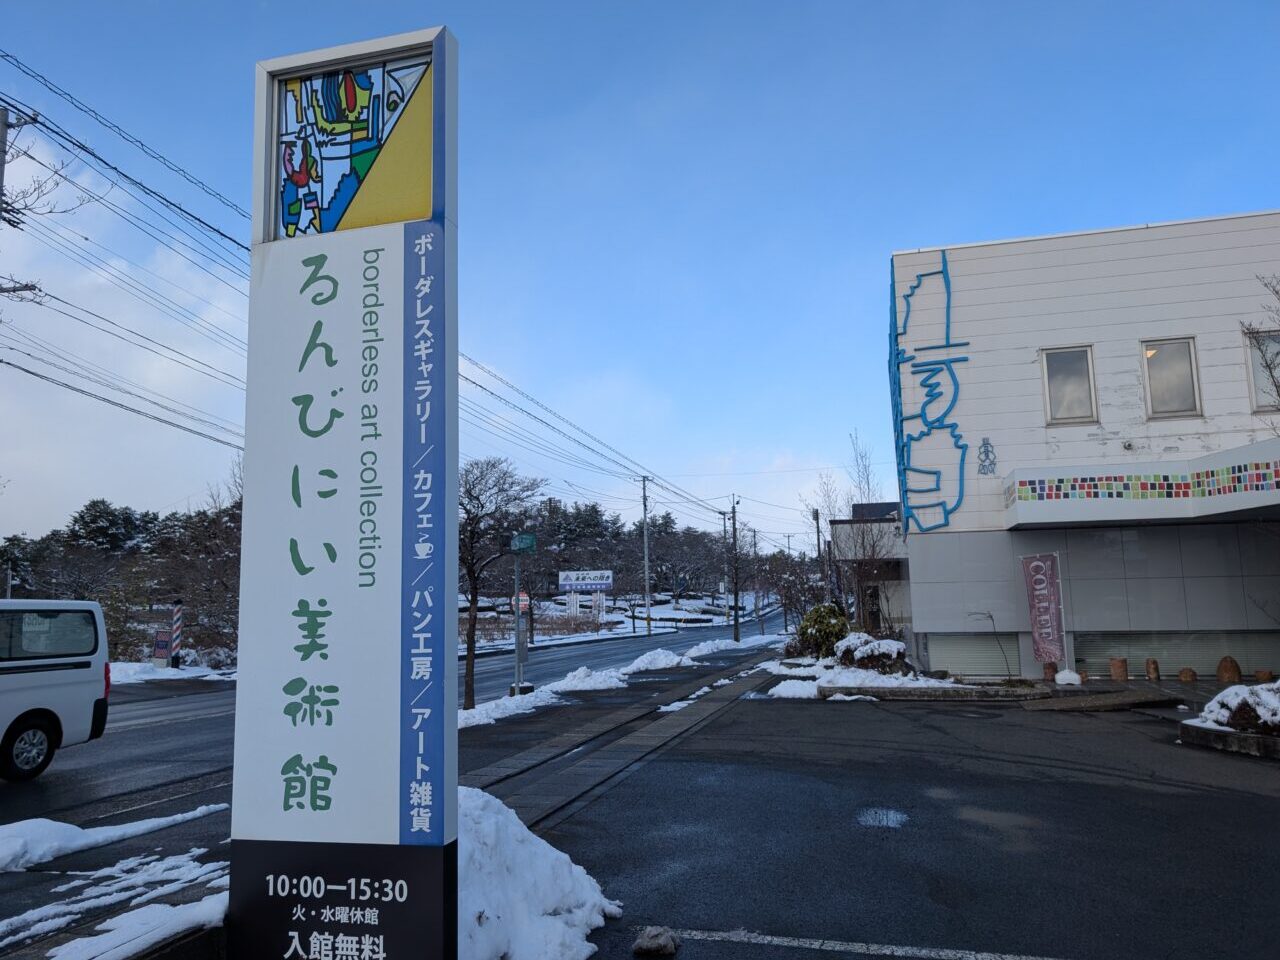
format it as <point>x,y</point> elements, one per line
<point>1230,741</point>
<point>957,694</point>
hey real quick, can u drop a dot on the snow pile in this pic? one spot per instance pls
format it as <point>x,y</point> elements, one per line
<point>128,671</point>
<point>656,660</point>
<point>681,704</point>
<point>545,696</point>
<point>796,690</point>
<point>1067,678</point>
<point>519,897</point>
<point>28,842</point>
<point>804,668</point>
<point>584,678</point>
<point>856,677</point>
<point>716,646</point>
<point>503,707</point>
<point>853,641</point>
<point>1255,709</point>
<point>131,933</point>
<point>803,682</point>
<point>863,645</point>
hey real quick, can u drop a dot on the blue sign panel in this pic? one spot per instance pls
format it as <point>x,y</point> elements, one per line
<point>427,584</point>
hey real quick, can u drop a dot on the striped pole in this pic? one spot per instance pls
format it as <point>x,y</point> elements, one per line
<point>176,642</point>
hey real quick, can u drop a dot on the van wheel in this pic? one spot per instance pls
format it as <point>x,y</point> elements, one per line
<point>27,750</point>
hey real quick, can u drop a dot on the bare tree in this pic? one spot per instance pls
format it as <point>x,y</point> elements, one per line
<point>1264,348</point>
<point>1263,337</point>
<point>872,542</point>
<point>34,197</point>
<point>490,493</point>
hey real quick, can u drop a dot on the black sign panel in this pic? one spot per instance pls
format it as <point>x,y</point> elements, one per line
<point>342,901</point>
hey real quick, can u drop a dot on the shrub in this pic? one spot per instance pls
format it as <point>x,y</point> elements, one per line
<point>820,630</point>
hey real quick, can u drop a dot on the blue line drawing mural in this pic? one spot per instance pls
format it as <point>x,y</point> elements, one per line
<point>931,449</point>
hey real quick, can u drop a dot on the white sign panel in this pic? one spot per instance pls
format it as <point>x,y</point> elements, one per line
<point>345,788</point>
<point>586,581</point>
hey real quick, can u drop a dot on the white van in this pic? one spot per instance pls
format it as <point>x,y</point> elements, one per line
<point>55,676</point>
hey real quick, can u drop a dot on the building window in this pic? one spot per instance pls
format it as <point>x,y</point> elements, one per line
<point>1264,368</point>
<point>1171,378</point>
<point>1068,385</point>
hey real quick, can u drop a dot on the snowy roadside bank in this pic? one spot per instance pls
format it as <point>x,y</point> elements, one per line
<point>29,842</point>
<point>124,672</point>
<point>519,898</point>
<point>584,679</point>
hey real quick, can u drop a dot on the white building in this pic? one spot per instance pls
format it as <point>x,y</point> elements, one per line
<point>1091,395</point>
<point>871,552</point>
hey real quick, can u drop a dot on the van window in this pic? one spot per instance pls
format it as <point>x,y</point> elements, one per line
<point>32,634</point>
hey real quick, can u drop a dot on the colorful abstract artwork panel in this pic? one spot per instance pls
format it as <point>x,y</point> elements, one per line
<point>354,147</point>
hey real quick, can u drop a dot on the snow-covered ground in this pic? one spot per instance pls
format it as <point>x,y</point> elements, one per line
<point>580,679</point>
<point>559,640</point>
<point>585,679</point>
<point>519,898</point>
<point>748,640</point>
<point>28,842</point>
<point>135,881</point>
<point>805,676</point>
<point>127,671</point>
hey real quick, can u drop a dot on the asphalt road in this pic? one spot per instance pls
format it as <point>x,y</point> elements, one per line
<point>931,828</point>
<point>494,674</point>
<point>956,831</point>
<point>168,748</point>
<point>172,732</point>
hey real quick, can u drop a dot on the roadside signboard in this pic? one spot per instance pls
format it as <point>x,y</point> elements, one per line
<point>344,819</point>
<point>523,542</point>
<point>1044,601</point>
<point>161,647</point>
<point>586,581</point>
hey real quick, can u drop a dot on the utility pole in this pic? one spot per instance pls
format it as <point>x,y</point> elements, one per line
<point>4,150</point>
<point>5,127</point>
<point>517,687</point>
<point>817,531</point>
<point>788,536</point>
<point>724,548</point>
<point>8,581</point>
<point>755,563</point>
<point>644,507</point>
<point>737,630</point>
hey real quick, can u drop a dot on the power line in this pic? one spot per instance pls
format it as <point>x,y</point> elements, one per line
<point>634,464</point>
<point>121,406</point>
<point>123,134</point>
<point>69,141</point>
<point>9,331</point>
<point>148,229</point>
<point>143,294</point>
<point>210,371</point>
<point>105,382</point>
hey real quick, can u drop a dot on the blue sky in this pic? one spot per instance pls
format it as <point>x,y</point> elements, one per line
<point>676,218</point>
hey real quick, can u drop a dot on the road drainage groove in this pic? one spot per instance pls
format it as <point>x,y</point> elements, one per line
<point>528,760</point>
<point>536,798</point>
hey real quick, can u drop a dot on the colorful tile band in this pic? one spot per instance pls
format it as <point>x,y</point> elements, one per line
<point>1239,478</point>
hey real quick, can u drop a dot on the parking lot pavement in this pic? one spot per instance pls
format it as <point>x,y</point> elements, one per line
<point>936,828</point>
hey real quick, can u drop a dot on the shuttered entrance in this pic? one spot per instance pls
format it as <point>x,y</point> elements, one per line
<point>1199,650</point>
<point>974,654</point>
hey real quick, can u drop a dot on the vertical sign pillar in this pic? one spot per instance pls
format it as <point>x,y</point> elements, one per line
<point>176,644</point>
<point>344,819</point>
